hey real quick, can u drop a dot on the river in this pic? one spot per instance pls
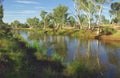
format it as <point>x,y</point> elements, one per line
<point>95,53</point>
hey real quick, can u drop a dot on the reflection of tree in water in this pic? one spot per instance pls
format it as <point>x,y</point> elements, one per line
<point>112,49</point>
<point>85,54</point>
<point>111,45</point>
<point>114,61</point>
<point>55,45</point>
<point>60,46</point>
<point>34,36</point>
<point>113,56</point>
<point>85,51</point>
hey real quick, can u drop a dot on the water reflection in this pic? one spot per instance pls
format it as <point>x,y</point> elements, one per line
<point>96,54</point>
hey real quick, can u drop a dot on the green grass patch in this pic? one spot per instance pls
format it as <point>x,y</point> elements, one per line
<point>117,34</point>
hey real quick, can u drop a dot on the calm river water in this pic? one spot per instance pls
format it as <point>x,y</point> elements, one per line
<point>99,54</point>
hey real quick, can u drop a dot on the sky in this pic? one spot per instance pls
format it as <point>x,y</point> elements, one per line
<point>22,9</point>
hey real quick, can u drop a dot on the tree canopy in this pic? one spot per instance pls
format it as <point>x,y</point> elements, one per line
<point>115,11</point>
<point>33,22</point>
<point>59,14</point>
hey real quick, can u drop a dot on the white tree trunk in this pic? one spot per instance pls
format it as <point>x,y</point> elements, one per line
<point>99,18</point>
<point>44,25</point>
<point>89,22</point>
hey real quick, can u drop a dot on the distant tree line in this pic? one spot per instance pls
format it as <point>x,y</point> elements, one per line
<point>88,13</point>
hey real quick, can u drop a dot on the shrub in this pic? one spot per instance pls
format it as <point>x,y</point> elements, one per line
<point>79,70</point>
<point>108,31</point>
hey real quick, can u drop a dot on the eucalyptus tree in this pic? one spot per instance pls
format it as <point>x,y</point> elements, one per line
<point>115,12</point>
<point>71,21</point>
<point>49,19</point>
<point>40,24</point>
<point>33,22</point>
<point>88,9</point>
<point>65,19</point>
<point>59,15</point>
<point>85,7</point>
<point>77,12</point>
<point>43,15</point>
<point>83,19</point>
<point>15,24</point>
<point>100,4</point>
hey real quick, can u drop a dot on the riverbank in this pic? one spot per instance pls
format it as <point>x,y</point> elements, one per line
<point>84,34</point>
<point>113,37</point>
<point>18,59</point>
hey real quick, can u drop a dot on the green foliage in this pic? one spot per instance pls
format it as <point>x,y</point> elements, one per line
<point>47,19</point>
<point>60,32</point>
<point>60,11</point>
<point>43,14</point>
<point>33,22</point>
<point>15,24</point>
<point>23,25</point>
<point>79,70</point>
<point>117,34</point>
<point>86,8</point>
<point>57,57</point>
<point>108,31</point>
<point>60,15</point>
<point>40,50</point>
<point>83,19</point>
<point>115,20</point>
<point>103,1</point>
<point>5,30</point>
<point>71,21</point>
<point>9,52</point>
<point>87,12</point>
<point>115,6</point>
<point>82,34</point>
<point>1,12</point>
<point>115,11</point>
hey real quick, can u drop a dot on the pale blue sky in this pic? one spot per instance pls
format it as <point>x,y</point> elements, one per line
<point>22,9</point>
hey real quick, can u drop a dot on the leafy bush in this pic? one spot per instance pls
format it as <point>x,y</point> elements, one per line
<point>82,34</point>
<point>5,30</point>
<point>79,70</point>
<point>108,31</point>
